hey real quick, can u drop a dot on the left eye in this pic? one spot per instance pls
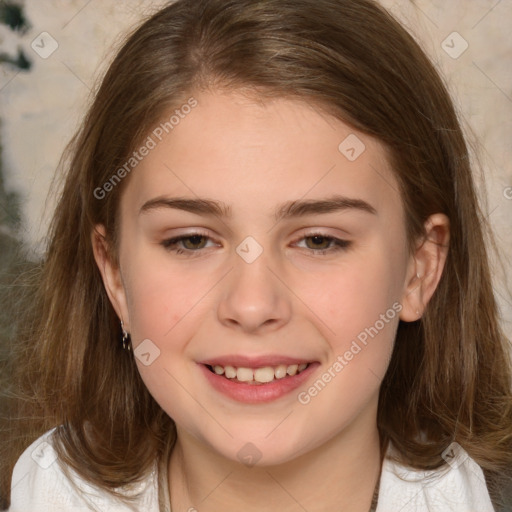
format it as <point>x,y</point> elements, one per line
<point>194,242</point>
<point>320,240</point>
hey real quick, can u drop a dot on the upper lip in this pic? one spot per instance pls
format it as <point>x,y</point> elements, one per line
<point>253,362</point>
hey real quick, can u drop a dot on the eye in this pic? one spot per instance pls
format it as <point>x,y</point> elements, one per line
<point>190,243</point>
<point>324,244</point>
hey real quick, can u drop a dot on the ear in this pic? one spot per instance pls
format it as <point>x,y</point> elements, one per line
<point>110,273</point>
<point>425,267</point>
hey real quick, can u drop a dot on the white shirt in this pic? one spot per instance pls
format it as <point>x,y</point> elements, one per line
<point>40,485</point>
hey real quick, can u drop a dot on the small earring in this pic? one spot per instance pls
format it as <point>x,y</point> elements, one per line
<point>126,338</point>
<point>417,275</point>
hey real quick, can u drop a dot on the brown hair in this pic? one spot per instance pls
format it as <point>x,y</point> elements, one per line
<point>450,374</point>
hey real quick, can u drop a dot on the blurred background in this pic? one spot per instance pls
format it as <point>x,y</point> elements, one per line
<point>52,52</point>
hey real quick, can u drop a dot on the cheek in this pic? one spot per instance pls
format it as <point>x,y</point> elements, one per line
<point>164,305</point>
<point>161,296</point>
<point>358,305</point>
<point>353,295</point>
<point>359,312</point>
<point>153,308</point>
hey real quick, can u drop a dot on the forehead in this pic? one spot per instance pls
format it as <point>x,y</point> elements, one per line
<point>254,154</point>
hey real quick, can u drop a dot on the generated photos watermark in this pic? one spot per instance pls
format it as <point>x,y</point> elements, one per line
<point>342,360</point>
<point>152,141</point>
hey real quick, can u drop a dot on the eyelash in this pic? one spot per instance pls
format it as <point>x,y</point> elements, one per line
<point>337,244</point>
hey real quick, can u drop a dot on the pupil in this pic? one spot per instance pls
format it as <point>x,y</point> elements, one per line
<point>195,239</point>
<point>317,239</point>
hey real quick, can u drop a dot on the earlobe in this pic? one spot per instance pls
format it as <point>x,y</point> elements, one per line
<point>110,273</point>
<point>425,267</point>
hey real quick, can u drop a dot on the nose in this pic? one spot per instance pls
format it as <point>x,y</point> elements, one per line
<point>253,299</point>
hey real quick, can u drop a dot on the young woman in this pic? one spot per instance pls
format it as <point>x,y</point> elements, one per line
<point>267,286</point>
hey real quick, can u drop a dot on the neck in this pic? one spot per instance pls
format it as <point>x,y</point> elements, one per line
<point>341,474</point>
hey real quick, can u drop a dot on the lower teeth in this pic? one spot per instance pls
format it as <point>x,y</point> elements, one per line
<point>250,382</point>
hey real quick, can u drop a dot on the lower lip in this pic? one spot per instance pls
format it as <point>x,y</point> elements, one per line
<point>257,393</point>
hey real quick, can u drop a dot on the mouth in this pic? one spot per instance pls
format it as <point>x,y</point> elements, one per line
<point>257,376</point>
<point>254,381</point>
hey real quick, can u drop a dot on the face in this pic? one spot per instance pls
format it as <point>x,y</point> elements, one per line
<point>287,249</point>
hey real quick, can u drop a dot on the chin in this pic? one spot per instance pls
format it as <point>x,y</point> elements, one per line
<point>251,448</point>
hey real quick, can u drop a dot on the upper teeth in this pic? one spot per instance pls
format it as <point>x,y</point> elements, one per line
<point>265,374</point>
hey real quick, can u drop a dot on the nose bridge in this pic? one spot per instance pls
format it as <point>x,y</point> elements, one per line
<point>253,297</point>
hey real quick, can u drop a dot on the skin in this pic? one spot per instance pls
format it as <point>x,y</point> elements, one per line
<point>254,155</point>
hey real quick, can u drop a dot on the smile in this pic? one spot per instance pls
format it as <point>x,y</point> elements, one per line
<point>258,375</point>
<point>257,380</point>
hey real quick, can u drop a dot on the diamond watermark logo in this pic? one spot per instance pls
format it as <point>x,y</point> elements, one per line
<point>44,455</point>
<point>454,45</point>
<point>249,454</point>
<point>352,147</point>
<point>147,352</point>
<point>44,45</point>
<point>454,455</point>
<point>249,250</point>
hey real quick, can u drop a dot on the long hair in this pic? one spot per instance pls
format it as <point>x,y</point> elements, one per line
<point>449,377</point>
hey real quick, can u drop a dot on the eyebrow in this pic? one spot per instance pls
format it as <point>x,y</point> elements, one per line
<point>290,209</point>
